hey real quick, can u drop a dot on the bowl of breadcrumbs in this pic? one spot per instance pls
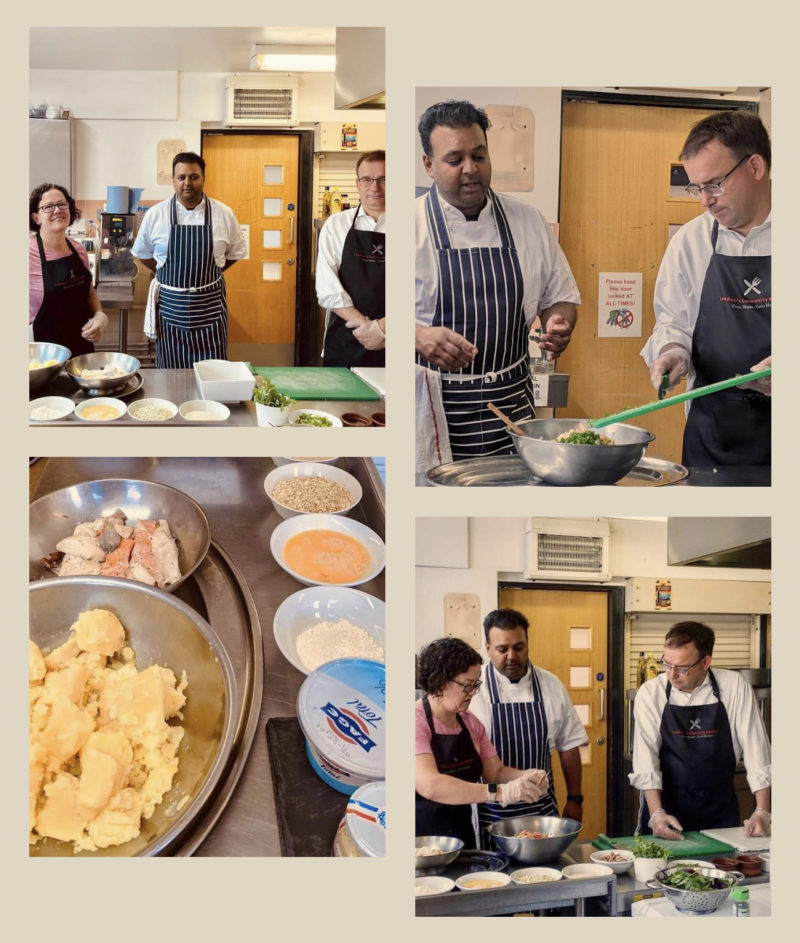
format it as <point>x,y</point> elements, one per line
<point>310,488</point>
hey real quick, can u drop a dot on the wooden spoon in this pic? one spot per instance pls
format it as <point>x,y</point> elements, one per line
<point>509,422</point>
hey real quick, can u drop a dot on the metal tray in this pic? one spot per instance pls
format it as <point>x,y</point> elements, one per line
<point>508,471</point>
<point>468,861</point>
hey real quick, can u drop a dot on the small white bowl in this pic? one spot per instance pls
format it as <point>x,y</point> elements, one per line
<point>224,380</point>
<point>133,408</point>
<point>498,879</point>
<point>295,413</point>
<point>618,867</point>
<point>341,525</point>
<point>433,885</point>
<point>118,404</point>
<point>549,874</point>
<point>64,406</point>
<point>576,872</point>
<point>204,405</point>
<point>311,470</point>
<point>285,460</point>
<point>765,860</point>
<point>316,604</point>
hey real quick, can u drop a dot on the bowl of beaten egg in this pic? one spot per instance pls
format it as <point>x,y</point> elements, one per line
<point>324,548</point>
<point>69,685</point>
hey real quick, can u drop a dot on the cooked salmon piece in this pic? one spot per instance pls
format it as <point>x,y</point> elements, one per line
<point>117,562</point>
<point>144,566</point>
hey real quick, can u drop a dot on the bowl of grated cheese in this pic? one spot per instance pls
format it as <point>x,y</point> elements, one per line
<point>322,623</point>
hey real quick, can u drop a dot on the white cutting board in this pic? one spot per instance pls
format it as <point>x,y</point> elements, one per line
<point>373,376</point>
<point>737,838</point>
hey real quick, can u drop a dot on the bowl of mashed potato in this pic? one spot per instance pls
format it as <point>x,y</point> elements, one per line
<point>132,717</point>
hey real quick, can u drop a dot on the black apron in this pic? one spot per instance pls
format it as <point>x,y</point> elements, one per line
<point>697,765</point>
<point>480,296</point>
<point>192,310</point>
<point>455,755</point>
<point>519,733</point>
<point>65,304</point>
<point>732,332</point>
<point>362,272</point>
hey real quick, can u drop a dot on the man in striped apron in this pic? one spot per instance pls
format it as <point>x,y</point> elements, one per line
<point>486,266</point>
<point>188,241</point>
<point>528,714</point>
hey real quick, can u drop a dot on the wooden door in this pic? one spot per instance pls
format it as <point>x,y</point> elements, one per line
<point>257,176</point>
<point>616,213</point>
<point>568,635</point>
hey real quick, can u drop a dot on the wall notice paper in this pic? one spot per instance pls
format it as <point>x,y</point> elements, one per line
<point>619,304</point>
<point>541,388</point>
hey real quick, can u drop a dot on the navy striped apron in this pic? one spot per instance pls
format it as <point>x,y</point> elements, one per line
<point>519,734</point>
<point>192,318</point>
<point>481,297</point>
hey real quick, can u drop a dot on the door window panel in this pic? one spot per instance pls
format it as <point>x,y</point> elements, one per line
<point>273,173</point>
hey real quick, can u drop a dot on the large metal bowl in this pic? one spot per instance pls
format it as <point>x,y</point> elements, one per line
<point>696,902</point>
<point>44,351</point>
<point>162,630</point>
<point>534,850</point>
<point>562,463</point>
<point>451,848</point>
<point>55,516</point>
<point>98,360</point>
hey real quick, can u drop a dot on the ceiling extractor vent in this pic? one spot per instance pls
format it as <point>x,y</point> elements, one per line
<point>567,549</point>
<point>261,101</point>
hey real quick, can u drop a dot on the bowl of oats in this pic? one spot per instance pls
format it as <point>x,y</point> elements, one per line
<point>311,488</point>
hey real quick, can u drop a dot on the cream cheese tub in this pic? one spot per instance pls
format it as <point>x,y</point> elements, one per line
<point>362,831</point>
<point>341,708</point>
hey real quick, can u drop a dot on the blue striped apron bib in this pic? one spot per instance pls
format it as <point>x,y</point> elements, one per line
<point>193,323</point>
<point>519,734</point>
<point>481,297</point>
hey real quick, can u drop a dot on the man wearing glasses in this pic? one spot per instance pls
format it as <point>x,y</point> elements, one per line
<point>713,294</point>
<point>692,725</point>
<point>351,266</point>
<point>527,713</point>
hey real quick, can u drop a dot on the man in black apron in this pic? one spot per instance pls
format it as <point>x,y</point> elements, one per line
<point>698,713</point>
<point>188,292</point>
<point>513,705</point>
<point>351,273</point>
<point>716,320</point>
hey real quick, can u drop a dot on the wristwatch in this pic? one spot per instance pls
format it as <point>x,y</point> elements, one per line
<point>577,797</point>
<point>492,787</point>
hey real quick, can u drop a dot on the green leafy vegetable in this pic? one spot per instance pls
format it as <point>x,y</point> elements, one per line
<point>642,848</point>
<point>589,437</point>
<point>690,879</point>
<point>268,395</point>
<point>307,419</point>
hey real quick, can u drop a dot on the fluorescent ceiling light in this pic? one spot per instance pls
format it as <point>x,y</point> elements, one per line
<point>291,58</point>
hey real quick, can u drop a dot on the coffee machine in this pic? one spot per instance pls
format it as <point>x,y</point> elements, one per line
<point>115,261</point>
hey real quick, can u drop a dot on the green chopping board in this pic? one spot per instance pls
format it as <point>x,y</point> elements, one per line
<point>694,843</point>
<point>318,383</point>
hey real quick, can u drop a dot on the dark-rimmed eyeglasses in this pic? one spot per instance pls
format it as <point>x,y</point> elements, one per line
<point>368,181</point>
<point>468,687</point>
<point>48,208</point>
<point>713,189</point>
<point>679,669</point>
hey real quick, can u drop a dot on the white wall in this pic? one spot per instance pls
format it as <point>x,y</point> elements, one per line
<point>121,117</point>
<point>638,548</point>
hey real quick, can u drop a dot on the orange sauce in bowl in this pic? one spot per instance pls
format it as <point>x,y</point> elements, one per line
<point>326,556</point>
<point>100,412</point>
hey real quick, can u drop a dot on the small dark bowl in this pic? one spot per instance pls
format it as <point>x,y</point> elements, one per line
<point>749,865</point>
<point>379,419</point>
<point>726,864</point>
<point>355,419</point>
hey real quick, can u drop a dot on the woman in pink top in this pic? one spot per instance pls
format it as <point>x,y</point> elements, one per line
<point>455,763</point>
<point>64,307</point>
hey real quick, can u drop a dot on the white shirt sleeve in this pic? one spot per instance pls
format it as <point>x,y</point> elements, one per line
<point>565,730</point>
<point>648,707</point>
<point>749,733</point>
<point>330,291</point>
<point>479,705</point>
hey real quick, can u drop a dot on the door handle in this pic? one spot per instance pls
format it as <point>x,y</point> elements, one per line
<point>602,703</point>
<point>291,230</point>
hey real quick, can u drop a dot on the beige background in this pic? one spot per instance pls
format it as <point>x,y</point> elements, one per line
<point>582,43</point>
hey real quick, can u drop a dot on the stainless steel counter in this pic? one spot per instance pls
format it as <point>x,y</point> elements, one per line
<point>230,491</point>
<point>179,386</point>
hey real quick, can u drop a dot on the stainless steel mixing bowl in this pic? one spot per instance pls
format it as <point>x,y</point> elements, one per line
<point>451,848</point>
<point>162,630</point>
<point>534,850</point>
<point>98,360</point>
<point>44,351</point>
<point>55,516</point>
<point>696,902</point>
<point>563,463</point>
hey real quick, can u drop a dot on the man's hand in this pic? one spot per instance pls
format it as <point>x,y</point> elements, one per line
<point>674,360</point>
<point>764,385</point>
<point>445,348</point>
<point>759,823</point>
<point>666,826</point>
<point>94,327</point>
<point>573,810</point>
<point>556,334</point>
<point>368,333</point>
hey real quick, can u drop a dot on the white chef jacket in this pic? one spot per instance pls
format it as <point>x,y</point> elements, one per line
<point>564,728</point>
<point>546,276</point>
<point>748,734</point>
<point>152,239</point>
<point>679,285</point>
<point>330,291</point>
